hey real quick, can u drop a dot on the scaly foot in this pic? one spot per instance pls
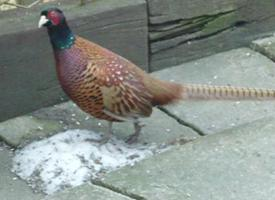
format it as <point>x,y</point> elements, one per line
<point>134,137</point>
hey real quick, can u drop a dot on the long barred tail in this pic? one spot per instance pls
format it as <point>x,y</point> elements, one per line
<point>204,92</point>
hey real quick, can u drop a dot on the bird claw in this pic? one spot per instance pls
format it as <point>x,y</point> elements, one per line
<point>132,139</point>
<point>105,139</point>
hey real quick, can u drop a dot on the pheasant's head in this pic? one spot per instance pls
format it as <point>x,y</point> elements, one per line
<point>51,17</point>
<point>60,34</point>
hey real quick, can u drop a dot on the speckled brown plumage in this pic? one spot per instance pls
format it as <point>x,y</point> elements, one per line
<point>105,83</point>
<point>110,87</point>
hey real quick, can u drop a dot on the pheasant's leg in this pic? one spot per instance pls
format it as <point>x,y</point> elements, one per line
<point>133,138</point>
<point>108,135</point>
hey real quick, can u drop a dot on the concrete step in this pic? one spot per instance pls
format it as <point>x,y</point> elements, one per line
<point>239,67</point>
<point>265,46</point>
<point>220,166</point>
<point>11,187</point>
<point>236,164</point>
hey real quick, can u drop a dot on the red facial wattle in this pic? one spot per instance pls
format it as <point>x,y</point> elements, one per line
<point>54,17</point>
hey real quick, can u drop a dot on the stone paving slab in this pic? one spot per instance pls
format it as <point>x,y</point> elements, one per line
<point>240,67</point>
<point>197,170</point>
<point>87,192</point>
<point>11,188</point>
<point>266,46</point>
<point>20,130</point>
<point>236,164</point>
<point>160,128</point>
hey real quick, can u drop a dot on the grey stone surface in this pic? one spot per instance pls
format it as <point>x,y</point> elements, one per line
<point>266,46</point>
<point>87,192</point>
<point>182,30</point>
<point>28,81</point>
<point>240,67</point>
<point>11,188</point>
<point>20,130</point>
<point>236,164</point>
<point>159,128</point>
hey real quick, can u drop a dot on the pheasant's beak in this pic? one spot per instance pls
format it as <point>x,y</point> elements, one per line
<point>43,20</point>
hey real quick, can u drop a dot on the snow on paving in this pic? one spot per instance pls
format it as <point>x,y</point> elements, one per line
<point>72,158</point>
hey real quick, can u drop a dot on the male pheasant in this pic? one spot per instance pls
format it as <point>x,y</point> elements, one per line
<point>110,87</point>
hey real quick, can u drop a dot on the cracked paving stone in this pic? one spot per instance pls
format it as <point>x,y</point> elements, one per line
<point>160,128</point>
<point>236,164</point>
<point>20,130</point>
<point>239,67</point>
<point>87,192</point>
<point>266,46</point>
<point>11,187</point>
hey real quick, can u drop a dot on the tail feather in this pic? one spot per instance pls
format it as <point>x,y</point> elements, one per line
<point>204,92</point>
<point>164,92</point>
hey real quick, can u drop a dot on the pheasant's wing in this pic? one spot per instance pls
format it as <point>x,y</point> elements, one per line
<point>121,82</point>
<point>124,95</point>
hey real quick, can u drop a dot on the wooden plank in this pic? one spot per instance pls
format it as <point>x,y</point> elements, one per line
<point>162,10</point>
<point>189,30</point>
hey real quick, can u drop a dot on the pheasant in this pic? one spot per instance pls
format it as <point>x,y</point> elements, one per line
<point>110,87</point>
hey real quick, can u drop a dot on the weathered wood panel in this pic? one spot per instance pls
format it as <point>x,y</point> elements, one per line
<point>27,72</point>
<point>182,30</point>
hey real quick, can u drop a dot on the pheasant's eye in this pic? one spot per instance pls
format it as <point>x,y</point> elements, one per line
<point>55,17</point>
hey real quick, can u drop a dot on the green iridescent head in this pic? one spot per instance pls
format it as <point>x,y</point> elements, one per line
<point>60,34</point>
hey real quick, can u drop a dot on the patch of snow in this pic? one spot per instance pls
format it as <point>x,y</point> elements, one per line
<point>72,158</point>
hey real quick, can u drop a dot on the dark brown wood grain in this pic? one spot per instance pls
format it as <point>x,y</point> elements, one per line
<point>183,30</point>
